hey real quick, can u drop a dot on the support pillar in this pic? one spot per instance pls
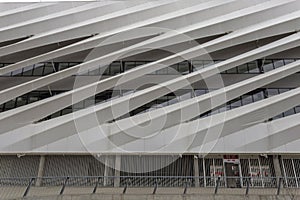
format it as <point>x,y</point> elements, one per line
<point>108,170</point>
<point>196,171</point>
<point>40,170</point>
<point>117,171</point>
<point>276,166</point>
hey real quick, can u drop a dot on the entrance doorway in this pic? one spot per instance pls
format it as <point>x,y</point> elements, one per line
<point>232,175</point>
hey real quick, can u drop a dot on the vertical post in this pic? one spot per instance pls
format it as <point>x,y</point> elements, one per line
<point>125,188</point>
<point>96,185</point>
<point>155,188</point>
<point>284,173</point>
<point>190,63</point>
<point>279,186</point>
<point>295,174</point>
<point>40,171</point>
<point>248,185</point>
<point>117,171</point>
<point>277,170</point>
<point>260,172</point>
<point>240,173</point>
<point>196,171</point>
<point>63,186</point>
<point>28,187</point>
<point>204,172</point>
<point>107,169</point>
<point>185,187</point>
<point>259,65</point>
<point>214,170</point>
<point>217,185</point>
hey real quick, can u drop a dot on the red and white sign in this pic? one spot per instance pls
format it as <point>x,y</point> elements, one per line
<point>231,159</point>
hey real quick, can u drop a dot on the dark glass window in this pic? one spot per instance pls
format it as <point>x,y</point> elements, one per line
<point>268,65</point>
<point>48,68</point>
<point>28,71</point>
<point>38,70</point>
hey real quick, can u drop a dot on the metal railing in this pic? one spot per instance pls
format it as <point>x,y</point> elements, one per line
<point>44,186</point>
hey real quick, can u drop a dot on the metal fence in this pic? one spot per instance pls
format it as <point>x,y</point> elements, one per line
<point>43,186</point>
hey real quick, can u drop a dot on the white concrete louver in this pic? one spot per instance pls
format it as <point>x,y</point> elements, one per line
<point>60,134</point>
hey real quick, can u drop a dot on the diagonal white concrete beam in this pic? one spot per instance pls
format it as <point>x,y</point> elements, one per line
<point>99,24</point>
<point>101,113</point>
<point>280,132</point>
<point>97,40</point>
<point>54,20</point>
<point>203,134</point>
<point>195,134</point>
<point>214,22</point>
<point>29,11</point>
<point>240,118</point>
<point>188,109</point>
<point>228,40</point>
<point>37,110</point>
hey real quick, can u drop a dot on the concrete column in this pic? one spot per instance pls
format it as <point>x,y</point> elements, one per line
<point>117,170</point>
<point>108,169</point>
<point>196,171</point>
<point>40,170</point>
<point>276,166</point>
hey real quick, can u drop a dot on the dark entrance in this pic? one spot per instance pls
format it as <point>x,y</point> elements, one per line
<point>232,175</point>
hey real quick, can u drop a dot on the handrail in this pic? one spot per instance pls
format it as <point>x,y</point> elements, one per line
<point>58,185</point>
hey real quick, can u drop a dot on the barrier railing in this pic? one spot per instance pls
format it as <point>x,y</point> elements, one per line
<point>43,186</point>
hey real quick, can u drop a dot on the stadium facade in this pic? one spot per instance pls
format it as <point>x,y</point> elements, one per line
<point>192,88</point>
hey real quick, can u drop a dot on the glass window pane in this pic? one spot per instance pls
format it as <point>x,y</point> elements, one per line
<point>199,92</point>
<point>129,65</point>
<point>115,68</point>
<point>72,64</point>
<point>173,69</point>
<point>63,66</point>
<point>38,69</point>
<point>79,105</point>
<point>9,105</point>
<point>207,63</point>
<point>54,115</point>
<point>27,71</point>
<point>185,96</point>
<point>258,96</point>
<point>102,70</point>
<point>197,64</point>
<point>288,61</point>
<point>162,71</point>
<point>272,92</point>
<point>17,72</point>
<point>268,65</point>
<point>89,102</point>
<point>243,69</point>
<point>252,67</point>
<point>232,71</point>
<point>289,112</point>
<point>282,90</point>
<point>215,111</point>
<point>48,69</point>
<point>183,67</point>
<point>44,94</point>
<point>32,99</point>
<point>247,99</point>
<point>66,111</point>
<point>236,103</point>
<point>297,109</point>
<point>278,116</point>
<point>21,101</point>
<point>278,63</point>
